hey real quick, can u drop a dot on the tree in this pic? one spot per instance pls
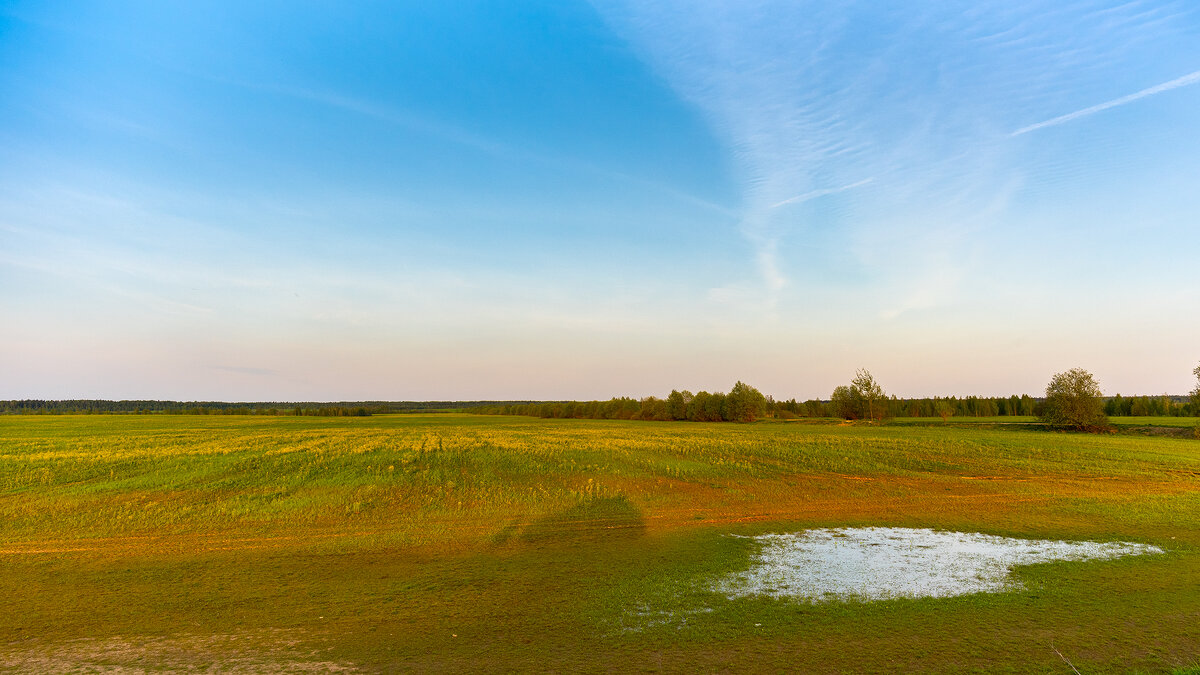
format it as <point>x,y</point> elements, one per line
<point>1140,407</point>
<point>654,408</point>
<point>1073,399</point>
<point>873,399</point>
<point>843,403</point>
<point>864,398</point>
<point>944,408</point>
<point>677,403</point>
<point>1114,406</point>
<point>714,407</point>
<point>1195,394</point>
<point>745,403</point>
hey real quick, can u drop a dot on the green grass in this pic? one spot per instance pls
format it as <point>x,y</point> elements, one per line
<point>457,542</point>
<point>1155,421</point>
<point>1118,422</point>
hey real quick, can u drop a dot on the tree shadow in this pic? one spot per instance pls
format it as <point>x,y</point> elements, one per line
<point>597,519</point>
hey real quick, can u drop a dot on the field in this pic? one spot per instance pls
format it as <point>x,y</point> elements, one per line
<point>457,542</point>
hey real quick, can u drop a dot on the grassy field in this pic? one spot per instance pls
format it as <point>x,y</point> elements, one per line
<point>456,542</point>
<point>1117,422</point>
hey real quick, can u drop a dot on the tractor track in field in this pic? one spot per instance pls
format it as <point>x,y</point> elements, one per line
<point>799,506</point>
<point>666,519</point>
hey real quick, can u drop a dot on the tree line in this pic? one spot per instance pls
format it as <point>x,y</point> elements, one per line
<point>715,407</point>
<point>862,399</point>
<point>743,403</point>
<point>309,408</point>
<point>679,405</point>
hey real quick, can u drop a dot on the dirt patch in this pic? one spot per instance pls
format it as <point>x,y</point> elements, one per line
<point>270,651</point>
<point>1169,432</point>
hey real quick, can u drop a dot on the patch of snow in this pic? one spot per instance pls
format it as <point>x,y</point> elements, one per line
<point>877,563</point>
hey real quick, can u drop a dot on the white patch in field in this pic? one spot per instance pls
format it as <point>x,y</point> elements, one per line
<point>878,563</point>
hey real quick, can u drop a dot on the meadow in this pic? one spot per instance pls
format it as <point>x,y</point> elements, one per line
<point>464,542</point>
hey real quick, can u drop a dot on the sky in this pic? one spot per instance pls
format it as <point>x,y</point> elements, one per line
<point>577,200</point>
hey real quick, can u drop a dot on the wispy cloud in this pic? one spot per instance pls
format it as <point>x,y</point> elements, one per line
<point>418,123</point>
<point>1190,78</point>
<point>811,97</point>
<point>798,199</point>
<point>808,105</point>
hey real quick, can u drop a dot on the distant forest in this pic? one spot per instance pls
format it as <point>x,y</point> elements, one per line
<point>679,405</point>
<point>321,409</point>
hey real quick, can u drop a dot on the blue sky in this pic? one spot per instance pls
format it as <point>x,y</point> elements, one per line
<point>315,201</point>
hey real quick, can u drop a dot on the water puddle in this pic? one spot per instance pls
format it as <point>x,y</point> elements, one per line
<point>877,563</point>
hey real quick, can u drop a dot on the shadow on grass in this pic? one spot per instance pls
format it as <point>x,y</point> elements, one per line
<point>594,520</point>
